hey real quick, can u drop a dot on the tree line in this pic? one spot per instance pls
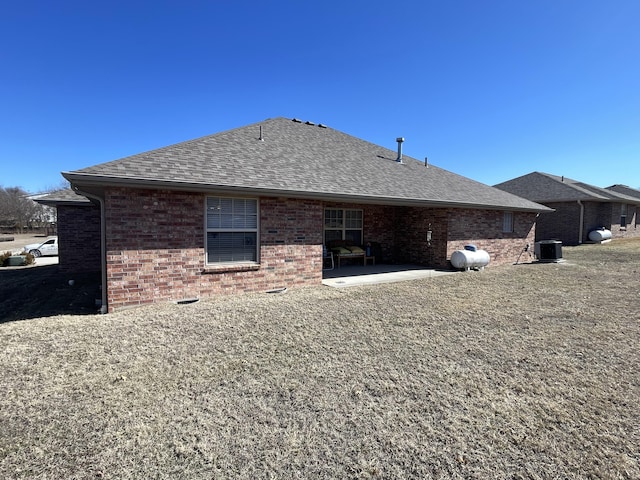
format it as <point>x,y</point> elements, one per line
<point>20,213</point>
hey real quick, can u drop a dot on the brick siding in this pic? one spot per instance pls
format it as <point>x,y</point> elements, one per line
<point>402,233</point>
<point>156,243</point>
<point>156,251</point>
<point>597,215</point>
<point>79,238</point>
<point>411,245</point>
<point>564,223</point>
<point>483,228</point>
<point>631,229</point>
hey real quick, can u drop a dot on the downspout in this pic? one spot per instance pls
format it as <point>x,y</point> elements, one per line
<point>103,248</point>
<point>581,229</point>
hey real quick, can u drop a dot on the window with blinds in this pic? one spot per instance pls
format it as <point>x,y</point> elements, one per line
<point>507,222</point>
<point>232,230</point>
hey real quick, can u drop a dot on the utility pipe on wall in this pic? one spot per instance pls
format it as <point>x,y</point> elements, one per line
<point>103,248</point>
<point>581,228</point>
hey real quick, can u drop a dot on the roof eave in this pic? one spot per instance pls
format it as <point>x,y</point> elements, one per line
<point>596,200</point>
<point>67,203</point>
<point>93,182</point>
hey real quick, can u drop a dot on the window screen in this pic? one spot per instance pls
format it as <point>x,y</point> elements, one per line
<point>232,230</point>
<point>507,222</point>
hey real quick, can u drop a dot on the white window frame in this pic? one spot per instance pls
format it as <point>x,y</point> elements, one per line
<point>507,222</point>
<point>343,227</point>
<point>235,223</point>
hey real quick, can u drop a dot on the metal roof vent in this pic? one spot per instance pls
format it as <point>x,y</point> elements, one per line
<point>297,120</point>
<point>309,123</point>
<point>399,140</point>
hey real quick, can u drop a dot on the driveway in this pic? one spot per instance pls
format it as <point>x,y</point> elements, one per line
<point>19,241</point>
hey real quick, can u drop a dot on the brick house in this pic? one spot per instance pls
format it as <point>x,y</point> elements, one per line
<point>579,208</point>
<point>249,210</point>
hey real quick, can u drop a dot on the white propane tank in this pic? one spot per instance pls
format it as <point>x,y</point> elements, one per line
<point>470,259</point>
<point>600,235</point>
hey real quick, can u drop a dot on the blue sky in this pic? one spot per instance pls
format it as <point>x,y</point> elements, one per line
<point>487,89</point>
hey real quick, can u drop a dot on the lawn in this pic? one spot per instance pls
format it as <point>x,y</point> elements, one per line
<point>517,372</point>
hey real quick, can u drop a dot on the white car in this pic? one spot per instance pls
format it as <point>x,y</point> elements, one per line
<point>48,247</point>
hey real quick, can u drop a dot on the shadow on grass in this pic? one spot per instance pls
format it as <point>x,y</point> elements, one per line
<point>44,291</point>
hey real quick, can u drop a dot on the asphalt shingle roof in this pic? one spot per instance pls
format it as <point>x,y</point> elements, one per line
<point>63,197</point>
<point>625,190</point>
<point>546,188</point>
<point>295,158</point>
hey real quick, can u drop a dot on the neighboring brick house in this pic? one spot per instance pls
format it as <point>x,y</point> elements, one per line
<point>249,210</point>
<point>579,208</point>
<point>78,228</point>
<point>625,190</point>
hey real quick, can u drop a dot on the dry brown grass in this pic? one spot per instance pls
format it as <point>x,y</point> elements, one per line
<point>526,371</point>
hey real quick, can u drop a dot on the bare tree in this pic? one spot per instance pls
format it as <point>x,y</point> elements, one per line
<point>63,184</point>
<point>18,211</point>
<point>14,208</point>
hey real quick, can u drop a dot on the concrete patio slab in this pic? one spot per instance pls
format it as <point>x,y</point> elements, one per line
<point>351,276</point>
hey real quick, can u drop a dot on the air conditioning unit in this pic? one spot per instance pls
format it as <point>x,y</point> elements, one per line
<point>548,250</point>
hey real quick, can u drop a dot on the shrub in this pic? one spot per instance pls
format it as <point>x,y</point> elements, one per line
<point>3,258</point>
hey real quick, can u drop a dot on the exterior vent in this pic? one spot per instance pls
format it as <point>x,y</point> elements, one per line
<point>322,125</point>
<point>297,120</point>
<point>309,123</point>
<point>399,140</point>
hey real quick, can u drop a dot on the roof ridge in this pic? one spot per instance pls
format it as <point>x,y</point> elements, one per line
<point>296,158</point>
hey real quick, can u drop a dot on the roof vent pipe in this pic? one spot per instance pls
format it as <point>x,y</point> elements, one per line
<point>399,140</point>
<point>261,137</point>
<point>426,162</point>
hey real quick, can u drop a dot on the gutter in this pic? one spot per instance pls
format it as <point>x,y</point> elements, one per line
<point>101,181</point>
<point>103,247</point>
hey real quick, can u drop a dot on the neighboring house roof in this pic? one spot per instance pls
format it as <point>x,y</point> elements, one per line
<point>546,188</point>
<point>283,157</point>
<point>63,197</point>
<point>623,189</point>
